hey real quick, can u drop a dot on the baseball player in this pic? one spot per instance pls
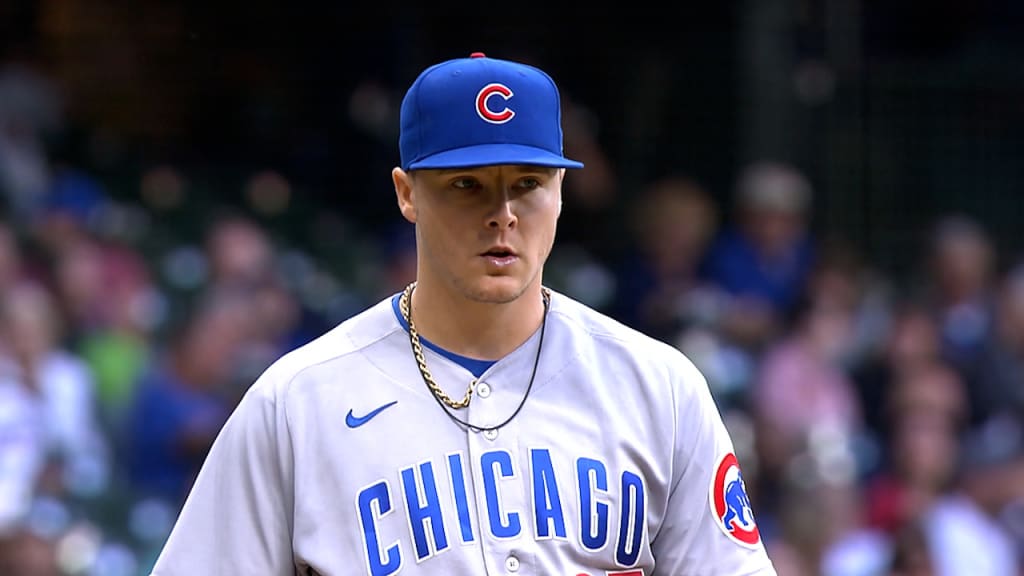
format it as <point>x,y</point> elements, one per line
<point>476,422</point>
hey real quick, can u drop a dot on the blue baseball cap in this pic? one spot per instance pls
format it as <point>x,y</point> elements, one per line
<point>481,111</point>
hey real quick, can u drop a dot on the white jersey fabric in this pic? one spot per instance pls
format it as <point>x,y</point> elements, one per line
<point>339,461</point>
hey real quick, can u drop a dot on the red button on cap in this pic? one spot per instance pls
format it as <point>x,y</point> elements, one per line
<point>477,55</point>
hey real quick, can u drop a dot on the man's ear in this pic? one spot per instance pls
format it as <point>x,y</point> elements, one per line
<point>404,193</point>
<point>561,181</point>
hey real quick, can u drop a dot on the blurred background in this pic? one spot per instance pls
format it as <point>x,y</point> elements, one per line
<point>818,201</point>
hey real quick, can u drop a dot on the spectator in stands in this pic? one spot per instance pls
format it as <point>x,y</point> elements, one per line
<point>912,340</point>
<point>77,451</point>
<point>22,453</point>
<point>999,389</point>
<point>819,522</point>
<point>658,289</point>
<point>801,390</point>
<point>31,113</point>
<point>763,257</point>
<point>928,478</point>
<point>244,265</point>
<point>185,398</point>
<point>118,316</point>
<point>995,446</point>
<point>240,252</point>
<point>961,289</point>
<point>925,410</point>
<point>73,204</point>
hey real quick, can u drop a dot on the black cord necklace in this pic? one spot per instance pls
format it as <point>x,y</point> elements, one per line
<point>442,399</point>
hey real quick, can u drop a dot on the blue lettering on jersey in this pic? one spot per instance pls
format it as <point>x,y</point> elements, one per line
<point>547,504</point>
<point>631,527</point>
<point>424,508</point>
<point>459,494</point>
<point>592,477</point>
<point>377,496</point>
<point>502,525</point>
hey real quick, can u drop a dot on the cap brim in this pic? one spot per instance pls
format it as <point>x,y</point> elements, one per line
<point>492,155</point>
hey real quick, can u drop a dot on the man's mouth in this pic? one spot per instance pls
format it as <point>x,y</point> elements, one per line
<point>500,256</point>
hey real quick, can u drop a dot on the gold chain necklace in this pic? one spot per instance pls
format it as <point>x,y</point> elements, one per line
<point>439,394</point>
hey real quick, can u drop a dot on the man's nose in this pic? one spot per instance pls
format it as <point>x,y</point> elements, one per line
<point>503,215</point>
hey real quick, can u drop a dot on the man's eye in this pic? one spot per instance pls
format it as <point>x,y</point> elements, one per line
<point>529,183</point>
<point>464,184</point>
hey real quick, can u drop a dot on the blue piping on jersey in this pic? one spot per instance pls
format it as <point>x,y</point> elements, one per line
<point>475,367</point>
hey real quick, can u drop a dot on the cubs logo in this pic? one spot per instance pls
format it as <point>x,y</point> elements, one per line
<point>731,505</point>
<point>483,108</point>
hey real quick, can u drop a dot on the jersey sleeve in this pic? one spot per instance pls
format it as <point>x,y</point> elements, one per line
<point>709,527</point>
<point>237,518</point>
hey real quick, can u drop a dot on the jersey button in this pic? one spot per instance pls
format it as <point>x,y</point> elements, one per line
<point>512,564</point>
<point>491,434</point>
<point>483,389</point>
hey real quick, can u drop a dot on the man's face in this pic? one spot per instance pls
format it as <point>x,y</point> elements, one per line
<point>482,233</point>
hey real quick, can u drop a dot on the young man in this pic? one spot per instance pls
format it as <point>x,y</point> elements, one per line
<point>476,422</point>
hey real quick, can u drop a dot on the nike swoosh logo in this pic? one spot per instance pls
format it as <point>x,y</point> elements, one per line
<point>354,421</point>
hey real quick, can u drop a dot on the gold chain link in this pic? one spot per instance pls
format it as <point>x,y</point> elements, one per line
<point>421,361</point>
<point>417,351</point>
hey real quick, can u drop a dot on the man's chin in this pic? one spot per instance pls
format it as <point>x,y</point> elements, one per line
<point>497,289</point>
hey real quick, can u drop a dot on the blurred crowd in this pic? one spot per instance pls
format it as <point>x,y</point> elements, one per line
<point>878,415</point>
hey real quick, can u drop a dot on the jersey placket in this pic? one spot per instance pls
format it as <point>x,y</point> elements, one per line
<point>499,477</point>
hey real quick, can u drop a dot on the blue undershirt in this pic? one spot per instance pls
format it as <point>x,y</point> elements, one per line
<point>475,367</point>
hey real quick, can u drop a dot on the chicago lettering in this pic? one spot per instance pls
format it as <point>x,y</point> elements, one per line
<point>432,500</point>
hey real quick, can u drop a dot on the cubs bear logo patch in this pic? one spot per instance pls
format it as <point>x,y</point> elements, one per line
<point>730,503</point>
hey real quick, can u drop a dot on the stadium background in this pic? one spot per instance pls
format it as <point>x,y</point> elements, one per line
<point>209,182</point>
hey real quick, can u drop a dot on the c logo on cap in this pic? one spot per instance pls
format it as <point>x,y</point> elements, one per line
<point>488,115</point>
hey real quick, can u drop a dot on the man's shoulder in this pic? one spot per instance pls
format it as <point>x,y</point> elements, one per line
<point>608,332</point>
<point>604,341</point>
<point>348,337</point>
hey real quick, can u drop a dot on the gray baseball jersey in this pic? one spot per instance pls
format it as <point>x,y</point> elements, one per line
<point>339,461</point>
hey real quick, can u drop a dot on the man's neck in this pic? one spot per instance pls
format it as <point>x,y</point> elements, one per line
<point>475,329</point>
